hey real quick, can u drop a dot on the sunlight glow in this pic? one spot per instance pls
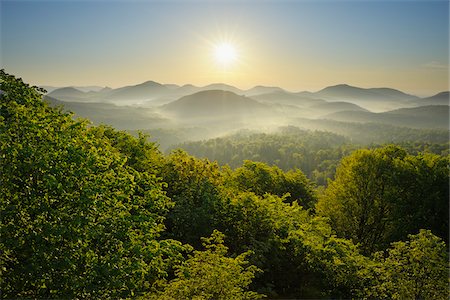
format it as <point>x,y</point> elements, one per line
<point>225,54</point>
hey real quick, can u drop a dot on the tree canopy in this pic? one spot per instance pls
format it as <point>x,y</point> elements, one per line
<point>382,195</point>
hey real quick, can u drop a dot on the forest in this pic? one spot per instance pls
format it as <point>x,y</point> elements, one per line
<point>92,212</point>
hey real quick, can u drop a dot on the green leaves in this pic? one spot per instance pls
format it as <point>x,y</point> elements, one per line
<point>260,178</point>
<point>414,269</point>
<point>78,220</point>
<point>209,274</point>
<point>193,185</point>
<point>381,195</point>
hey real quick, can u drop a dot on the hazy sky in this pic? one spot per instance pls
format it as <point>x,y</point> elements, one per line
<point>298,45</point>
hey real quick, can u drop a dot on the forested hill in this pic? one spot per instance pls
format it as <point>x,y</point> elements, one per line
<point>214,104</point>
<point>89,212</point>
<point>316,153</point>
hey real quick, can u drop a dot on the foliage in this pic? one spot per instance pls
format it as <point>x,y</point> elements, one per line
<point>193,186</point>
<point>377,133</point>
<point>415,269</point>
<point>140,154</point>
<point>76,220</point>
<point>381,195</point>
<point>315,153</point>
<point>261,179</point>
<point>295,250</point>
<point>209,274</point>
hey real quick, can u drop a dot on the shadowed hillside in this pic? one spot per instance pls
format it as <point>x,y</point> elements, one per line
<point>376,99</point>
<point>442,98</point>
<point>434,116</point>
<point>213,104</point>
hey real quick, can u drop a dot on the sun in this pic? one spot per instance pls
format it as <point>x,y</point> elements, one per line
<point>225,54</point>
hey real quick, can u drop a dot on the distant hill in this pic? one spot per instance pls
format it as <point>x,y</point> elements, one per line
<point>151,93</point>
<point>68,94</point>
<point>442,98</point>
<point>222,87</point>
<point>90,88</point>
<point>143,91</point>
<point>259,89</point>
<point>172,86</point>
<point>305,94</point>
<point>332,107</point>
<point>375,99</point>
<point>49,88</point>
<point>187,89</point>
<point>392,93</point>
<point>423,111</point>
<point>213,104</point>
<point>283,97</point>
<point>121,117</point>
<point>347,92</point>
<point>434,116</point>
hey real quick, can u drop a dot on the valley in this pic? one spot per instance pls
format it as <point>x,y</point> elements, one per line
<point>173,114</point>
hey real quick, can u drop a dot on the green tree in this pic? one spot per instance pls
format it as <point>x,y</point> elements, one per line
<point>260,178</point>
<point>192,184</point>
<point>425,201</point>
<point>141,155</point>
<point>298,253</point>
<point>210,274</point>
<point>76,220</point>
<point>381,195</point>
<point>415,269</point>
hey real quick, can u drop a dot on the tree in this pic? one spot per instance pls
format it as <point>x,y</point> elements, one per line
<point>425,201</point>
<point>260,178</point>
<point>210,274</point>
<point>381,195</point>
<point>298,253</point>
<point>415,269</point>
<point>193,185</point>
<point>77,221</point>
<point>140,154</point>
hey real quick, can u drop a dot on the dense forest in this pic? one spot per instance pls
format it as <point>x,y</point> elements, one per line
<point>315,153</point>
<point>93,212</point>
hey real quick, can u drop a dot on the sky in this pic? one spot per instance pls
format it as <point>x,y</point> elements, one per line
<point>298,45</point>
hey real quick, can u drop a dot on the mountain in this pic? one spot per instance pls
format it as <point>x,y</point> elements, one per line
<point>332,107</point>
<point>49,88</point>
<point>121,117</point>
<point>259,89</point>
<point>172,86</point>
<point>187,89</point>
<point>213,104</point>
<point>376,99</point>
<point>68,94</point>
<point>423,111</point>
<point>347,92</point>
<point>222,87</point>
<point>305,94</point>
<point>283,97</point>
<point>442,98</point>
<point>144,91</point>
<point>433,116</point>
<point>90,88</point>
<point>392,94</point>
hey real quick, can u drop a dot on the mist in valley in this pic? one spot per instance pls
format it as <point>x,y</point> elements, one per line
<point>172,114</point>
